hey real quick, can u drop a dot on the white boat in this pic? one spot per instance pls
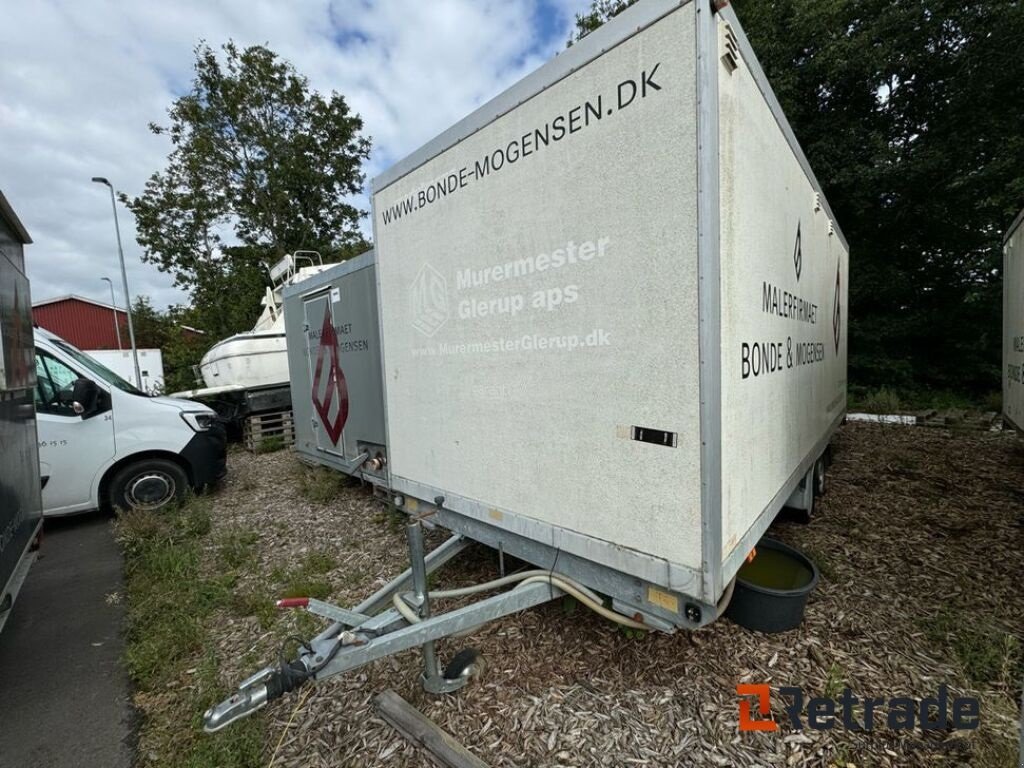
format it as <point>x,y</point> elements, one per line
<point>258,358</point>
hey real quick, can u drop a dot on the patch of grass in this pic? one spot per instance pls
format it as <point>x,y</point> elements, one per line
<point>878,401</point>
<point>835,682</point>
<point>302,584</point>
<point>239,746</point>
<point>249,602</point>
<point>319,562</point>
<point>322,485</point>
<point>892,400</point>
<point>993,401</point>
<point>986,653</point>
<point>270,444</point>
<point>237,547</point>
<point>307,579</point>
<point>169,602</point>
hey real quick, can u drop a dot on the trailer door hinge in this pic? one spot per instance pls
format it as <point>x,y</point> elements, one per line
<point>729,47</point>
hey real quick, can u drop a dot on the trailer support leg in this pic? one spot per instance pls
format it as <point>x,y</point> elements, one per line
<point>433,681</point>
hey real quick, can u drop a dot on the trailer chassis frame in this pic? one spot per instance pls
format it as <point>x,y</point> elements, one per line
<point>375,628</point>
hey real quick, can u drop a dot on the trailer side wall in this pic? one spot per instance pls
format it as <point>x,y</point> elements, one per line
<point>20,503</point>
<point>538,286</point>
<point>1013,324</point>
<point>332,331</point>
<point>784,277</point>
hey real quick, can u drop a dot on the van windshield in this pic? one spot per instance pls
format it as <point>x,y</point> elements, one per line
<point>97,368</point>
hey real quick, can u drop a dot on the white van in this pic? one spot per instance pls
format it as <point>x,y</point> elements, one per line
<point>104,443</point>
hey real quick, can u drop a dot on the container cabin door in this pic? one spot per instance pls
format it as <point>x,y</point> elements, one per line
<point>328,387</point>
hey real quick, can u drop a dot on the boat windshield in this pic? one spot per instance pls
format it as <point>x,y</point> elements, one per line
<point>97,368</point>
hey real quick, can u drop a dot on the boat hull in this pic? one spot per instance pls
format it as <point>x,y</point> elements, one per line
<point>246,360</point>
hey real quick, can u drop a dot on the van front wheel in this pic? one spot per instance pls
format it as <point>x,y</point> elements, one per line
<point>150,484</point>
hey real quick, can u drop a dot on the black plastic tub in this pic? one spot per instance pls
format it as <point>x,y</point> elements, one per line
<point>771,591</point>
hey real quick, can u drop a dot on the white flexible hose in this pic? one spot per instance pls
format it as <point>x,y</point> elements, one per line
<point>581,593</point>
<point>512,578</point>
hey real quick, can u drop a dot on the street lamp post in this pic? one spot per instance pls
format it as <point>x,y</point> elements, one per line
<point>124,278</point>
<point>113,306</point>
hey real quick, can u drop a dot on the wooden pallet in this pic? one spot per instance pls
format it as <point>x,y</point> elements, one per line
<point>960,420</point>
<point>261,430</point>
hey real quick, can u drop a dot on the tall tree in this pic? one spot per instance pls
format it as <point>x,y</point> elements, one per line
<point>150,325</point>
<point>910,114</point>
<point>260,160</point>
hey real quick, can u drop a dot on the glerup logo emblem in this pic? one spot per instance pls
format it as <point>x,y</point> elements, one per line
<point>429,300</point>
<point>837,324</point>
<point>763,694</point>
<point>798,254</point>
<point>331,400</point>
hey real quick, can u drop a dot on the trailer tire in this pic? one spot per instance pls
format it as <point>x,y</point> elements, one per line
<point>466,663</point>
<point>148,485</point>
<point>820,483</point>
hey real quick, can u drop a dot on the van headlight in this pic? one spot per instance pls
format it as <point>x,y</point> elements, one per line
<point>200,421</point>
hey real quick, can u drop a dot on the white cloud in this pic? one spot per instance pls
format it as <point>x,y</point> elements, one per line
<point>81,80</point>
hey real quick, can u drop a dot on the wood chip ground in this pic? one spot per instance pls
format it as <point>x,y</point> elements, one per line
<point>916,524</point>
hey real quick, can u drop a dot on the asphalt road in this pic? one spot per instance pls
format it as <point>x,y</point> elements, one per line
<point>64,697</point>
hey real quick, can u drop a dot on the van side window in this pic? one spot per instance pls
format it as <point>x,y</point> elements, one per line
<point>54,382</point>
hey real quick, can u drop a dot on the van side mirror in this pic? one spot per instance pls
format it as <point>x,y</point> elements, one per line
<point>85,398</point>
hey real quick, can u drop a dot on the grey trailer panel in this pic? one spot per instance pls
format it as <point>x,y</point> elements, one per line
<point>20,502</point>
<point>333,345</point>
<point>1013,324</point>
<point>709,295</point>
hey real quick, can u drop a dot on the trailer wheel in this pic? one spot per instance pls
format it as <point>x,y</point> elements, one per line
<point>819,477</point>
<point>466,663</point>
<point>149,484</point>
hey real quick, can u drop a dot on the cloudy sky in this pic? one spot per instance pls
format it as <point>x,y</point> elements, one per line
<point>81,80</point>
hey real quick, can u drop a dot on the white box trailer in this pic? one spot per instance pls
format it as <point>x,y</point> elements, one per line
<point>613,308</point>
<point>613,328</point>
<point>1013,323</point>
<point>151,366</point>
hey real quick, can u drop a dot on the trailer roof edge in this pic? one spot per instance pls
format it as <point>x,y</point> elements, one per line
<point>11,218</point>
<point>630,22</point>
<point>1018,220</point>
<point>750,58</point>
<point>338,269</point>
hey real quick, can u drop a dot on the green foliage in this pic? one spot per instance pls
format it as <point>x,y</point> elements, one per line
<point>150,326</point>
<point>986,653</point>
<point>260,166</point>
<point>320,562</point>
<point>322,485</point>
<point>834,682</point>
<point>302,584</point>
<point>882,400</point>
<point>910,115</point>
<point>600,11</point>
<point>255,153</point>
<point>270,444</point>
<point>168,598</point>
<point>307,579</point>
<point>237,547</point>
<point>170,601</point>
